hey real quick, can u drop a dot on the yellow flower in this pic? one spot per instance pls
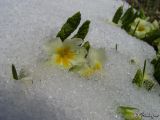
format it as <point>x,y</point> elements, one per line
<point>96,58</point>
<point>143,27</point>
<point>67,53</point>
<point>95,61</point>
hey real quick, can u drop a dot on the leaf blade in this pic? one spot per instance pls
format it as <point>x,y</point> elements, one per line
<point>157,69</point>
<point>144,68</point>
<point>14,72</point>
<point>138,78</point>
<point>127,24</point>
<point>127,15</point>
<point>70,26</point>
<point>87,46</point>
<point>83,30</point>
<point>128,113</point>
<point>118,15</point>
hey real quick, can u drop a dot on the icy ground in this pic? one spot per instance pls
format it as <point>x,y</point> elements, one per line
<point>25,25</point>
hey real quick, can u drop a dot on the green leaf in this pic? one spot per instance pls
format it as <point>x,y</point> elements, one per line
<point>14,72</point>
<point>129,13</point>
<point>127,108</point>
<point>127,24</point>
<point>154,61</point>
<point>118,15</point>
<point>156,74</point>
<point>86,45</point>
<point>156,45</point>
<point>141,79</point>
<point>83,30</point>
<point>116,46</point>
<point>70,26</point>
<point>136,28</point>
<point>148,84</point>
<point>151,36</point>
<point>142,14</point>
<point>156,42</point>
<point>138,78</point>
<point>144,68</point>
<point>128,113</point>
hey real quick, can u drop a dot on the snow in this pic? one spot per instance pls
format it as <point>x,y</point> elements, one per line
<point>26,25</point>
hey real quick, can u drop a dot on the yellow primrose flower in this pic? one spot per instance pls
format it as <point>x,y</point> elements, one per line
<point>143,27</point>
<point>67,53</point>
<point>95,62</point>
<point>96,57</point>
<point>84,70</point>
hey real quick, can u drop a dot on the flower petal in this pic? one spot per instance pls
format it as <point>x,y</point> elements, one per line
<point>143,27</point>
<point>96,55</point>
<point>52,45</point>
<point>74,41</point>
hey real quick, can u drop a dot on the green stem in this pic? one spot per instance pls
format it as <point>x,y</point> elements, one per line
<point>144,68</point>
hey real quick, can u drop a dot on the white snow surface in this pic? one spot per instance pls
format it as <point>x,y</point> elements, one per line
<point>26,25</point>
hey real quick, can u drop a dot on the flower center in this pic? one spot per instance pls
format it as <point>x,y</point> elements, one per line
<point>64,56</point>
<point>65,52</point>
<point>141,28</point>
<point>97,66</point>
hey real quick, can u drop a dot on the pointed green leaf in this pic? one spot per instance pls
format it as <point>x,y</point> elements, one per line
<point>14,72</point>
<point>157,73</point>
<point>70,26</point>
<point>86,45</point>
<point>127,108</point>
<point>144,68</point>
<point>127,24</point>
<point>141,79</point>
<point>156,63</point>
<point>127,15</point>
<point>116,47</point>
<point>156,45</point>
<point>157,41</point>
<point>118,15</point>
<point>128,113</point>
<point>142,14</point>
<point>136,28</point>
<point>138,78</point>
<point>151,36</point>
<point>83,30</point>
